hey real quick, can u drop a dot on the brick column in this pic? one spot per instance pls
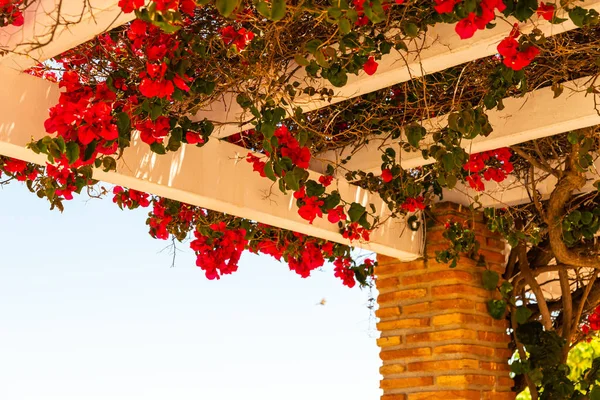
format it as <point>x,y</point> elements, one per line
<point>437,339</point>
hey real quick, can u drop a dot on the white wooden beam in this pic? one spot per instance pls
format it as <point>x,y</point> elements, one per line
<point>212,177</point>
<point>538,114</point>
<point>60,25</point>
<point>439,49</point>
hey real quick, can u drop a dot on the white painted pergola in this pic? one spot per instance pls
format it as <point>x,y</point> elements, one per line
<point>214,177</point>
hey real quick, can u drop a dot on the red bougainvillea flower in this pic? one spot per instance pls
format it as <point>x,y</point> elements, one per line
<point>336,214</point>
<point>154,131</point>
<point>239,38</point>
<point>257,164</point>
<point>475,182</point>
<point>412,204</point>
<point>193,138</point>
<point>311,208</point>
<point>325,180</point>
<point>445,6</point>
<point>130,5</point>
<point>386,175</point>
<point>466,27</point>
<point>342,270</point>
<point>370,66</point>
<point>546,11</point>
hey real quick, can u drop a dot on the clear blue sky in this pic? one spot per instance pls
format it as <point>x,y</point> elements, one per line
<point>90,309</point>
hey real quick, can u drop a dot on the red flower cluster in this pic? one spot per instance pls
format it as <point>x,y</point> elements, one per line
<point>20,170</point>
<point>257,164</point>
<point>290,147</point>
<point>310,259</point>
<point>546,11</point>
<point>593,322</point>
<point>84,115</point>
<point>159,220</point>
<point>219,254</point>
<point>154,131</point>
<point>64,177</point>
<point>412,204</point>
<point>342,270</point>
<point>512,57</point>
<point>10,13</point>
<point>499,167</point>
<point>240,38</point>
<point>354,231</point>
<point>130,198</point>
<point>467,27</point>
<point>336,214</point>
<point>185,6</point>
<point>310,207</point>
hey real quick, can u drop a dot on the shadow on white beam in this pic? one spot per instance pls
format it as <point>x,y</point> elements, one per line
<point>441,48</point>
<point>85,19</point>
<point>212,177</point>
<point>536,115</point>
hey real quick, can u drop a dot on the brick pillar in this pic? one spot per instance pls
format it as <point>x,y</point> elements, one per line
<point>437,339</point>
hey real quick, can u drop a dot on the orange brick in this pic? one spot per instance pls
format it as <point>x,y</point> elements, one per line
<point>459,318</point>
<point>401,296</point>
<point>496,337</point>
<point>460,290</point>
<point>505,381</point>
<point>493,256</point>
<point>416,308</point>
<point>402,324</point>
<point>441,335</point>
<point>452,304</point>
<point>391,369</point>
<point>405,353</point>
<point>389,341</point>
<point>393,397</point>
<point>464,348</point>
<point>502,323</point>
<point>481,307</point>
<point>495,243</point>
<point>499,395</point>
<point>465,380</point>
<point>447,395</point>
<point>443,365</point>
<point>504,354</point>
<point>454,275</point>
<point>387,312</point>
<point>390,267</point>
<point>402,383</point>
<point>492,366</point>
<point>387,283</point>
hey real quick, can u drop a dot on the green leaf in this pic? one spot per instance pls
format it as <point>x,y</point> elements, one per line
<point>344,25</point>
<point>410,29</point>
<point>595,393</point>
<point>573,137</point>
<point>414,134</point>
<point>355,212</point>
<point>226,7</point>
<point>497,308</point>
<point>490,279</point>
<point>109,164</point>
<point>158,148</point>
<point>522,314</point>
<point>72,152</point>
<point>123,124</point>
<point>269,171</point>
<point>278,10</point>
<point>301,60</point>
<point>587,217</point>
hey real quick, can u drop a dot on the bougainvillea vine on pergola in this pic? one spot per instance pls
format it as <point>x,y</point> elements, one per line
<point>151,77</point>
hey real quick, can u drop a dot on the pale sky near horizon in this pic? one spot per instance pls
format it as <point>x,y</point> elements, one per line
<point>90,309</point>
